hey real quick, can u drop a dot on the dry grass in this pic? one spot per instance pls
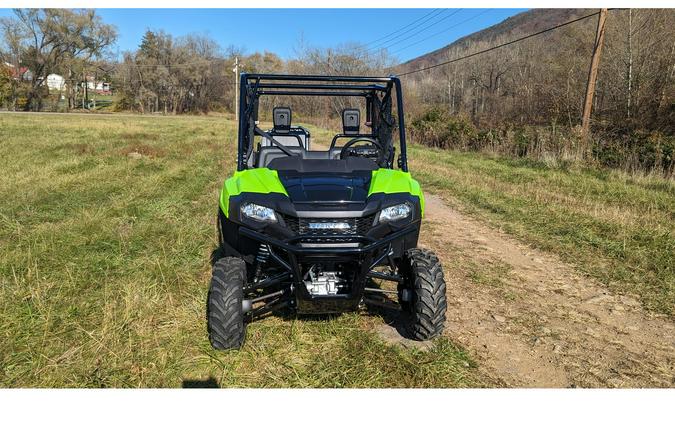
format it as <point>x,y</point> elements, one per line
<point>104,256</point>
<point>104,267</point>
<point>615,227</point>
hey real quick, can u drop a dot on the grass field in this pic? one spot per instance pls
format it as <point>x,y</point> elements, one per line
<point>617,228</point>
<point>107,223</point>
<point>104,269</point>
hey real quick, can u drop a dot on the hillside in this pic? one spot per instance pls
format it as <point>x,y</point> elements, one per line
<point>523,23</point>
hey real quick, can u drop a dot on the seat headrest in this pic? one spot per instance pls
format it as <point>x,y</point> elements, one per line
<point>282,119</point>
<point>351,121</point>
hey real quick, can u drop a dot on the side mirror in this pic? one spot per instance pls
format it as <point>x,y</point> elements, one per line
<point>282,119</point>
<point>351,121</point>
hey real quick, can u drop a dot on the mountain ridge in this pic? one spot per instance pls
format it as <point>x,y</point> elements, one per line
<point>521,24</point>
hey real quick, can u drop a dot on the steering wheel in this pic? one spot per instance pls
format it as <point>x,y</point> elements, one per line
<point>345,147</point>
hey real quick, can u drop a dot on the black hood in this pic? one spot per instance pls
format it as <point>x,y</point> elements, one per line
<point>326,187</point>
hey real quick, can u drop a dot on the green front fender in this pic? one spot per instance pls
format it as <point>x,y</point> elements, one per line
<point>264,180</point>
<point>260,180</point>
<point>395,181</point>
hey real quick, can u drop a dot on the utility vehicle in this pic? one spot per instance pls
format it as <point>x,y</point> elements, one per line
<point>315,230</point>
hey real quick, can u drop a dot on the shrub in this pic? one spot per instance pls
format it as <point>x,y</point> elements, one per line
<point>436,127</point>
<point>555,146</point>
<point>636,151</point>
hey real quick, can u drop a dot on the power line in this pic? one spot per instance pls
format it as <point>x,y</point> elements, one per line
<point>128,84</point>
<point>197,63</point>
<point>498,46</point>
<point>402,28</point>
<point>424,29</point>
<point>445,30</point>
<point>380,45</point>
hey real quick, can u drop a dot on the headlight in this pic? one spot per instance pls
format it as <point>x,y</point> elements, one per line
<point>396,212</point>
<point>258,212</point>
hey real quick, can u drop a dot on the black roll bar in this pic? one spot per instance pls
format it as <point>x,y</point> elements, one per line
<point>322,86</point>
<point>320,78</point>
<point>316,93</point>
<point>403,157</point>
<point>254,85</point>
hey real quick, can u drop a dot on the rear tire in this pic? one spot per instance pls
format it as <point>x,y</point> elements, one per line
<point>424,313</point>
<point>225,318</point>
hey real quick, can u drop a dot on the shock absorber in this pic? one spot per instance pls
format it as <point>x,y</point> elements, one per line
<point>261,259</point>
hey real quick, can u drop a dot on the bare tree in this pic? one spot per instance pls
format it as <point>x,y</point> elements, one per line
<point>50,40</point>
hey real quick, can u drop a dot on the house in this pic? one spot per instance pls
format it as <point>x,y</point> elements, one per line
<point>20,74</point>
<point>98,86</point>
<point>56,82</point>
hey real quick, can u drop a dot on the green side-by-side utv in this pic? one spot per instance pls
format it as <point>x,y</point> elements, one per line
<point>320,231</point>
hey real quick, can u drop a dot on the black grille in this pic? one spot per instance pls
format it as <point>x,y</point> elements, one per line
<point>358,226</point>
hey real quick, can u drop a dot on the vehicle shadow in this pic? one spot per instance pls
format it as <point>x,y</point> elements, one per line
<point>389,315</point>
<point>207,383</point>
<point>390,312</point>
<point>380,305</point>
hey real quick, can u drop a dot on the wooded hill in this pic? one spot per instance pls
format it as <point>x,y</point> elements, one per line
<point>526,99</point>
<point>521,24</point>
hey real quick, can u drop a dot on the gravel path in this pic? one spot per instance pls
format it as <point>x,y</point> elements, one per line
<point>543,324</point>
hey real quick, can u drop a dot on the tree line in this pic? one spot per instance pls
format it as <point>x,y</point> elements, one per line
<point>193,74</point>
<point>165,74</point>
<point>171,76</point>
<point>542,80</point>
<point>539,81</point>
<point>526,99</point>
<point>523,100</point>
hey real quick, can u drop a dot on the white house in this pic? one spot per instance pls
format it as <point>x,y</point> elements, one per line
<point>98,86</point>
<point>56,82</point>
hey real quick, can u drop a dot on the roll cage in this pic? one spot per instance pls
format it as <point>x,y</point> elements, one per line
<point>376,90</point>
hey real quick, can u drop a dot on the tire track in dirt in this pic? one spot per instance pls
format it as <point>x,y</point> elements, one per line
<point>544,324</point>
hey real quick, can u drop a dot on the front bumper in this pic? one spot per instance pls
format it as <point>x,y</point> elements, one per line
<point>363,252</point>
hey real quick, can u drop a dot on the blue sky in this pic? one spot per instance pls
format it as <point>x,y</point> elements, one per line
<point>279,30</point>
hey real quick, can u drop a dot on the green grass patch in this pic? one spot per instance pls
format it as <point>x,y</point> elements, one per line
<point>615,227</point>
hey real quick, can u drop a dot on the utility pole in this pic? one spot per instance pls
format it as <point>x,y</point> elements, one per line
<point>84,89</point>
<point>236,91</point>
<point>95,77</point>
<point>593,74</point>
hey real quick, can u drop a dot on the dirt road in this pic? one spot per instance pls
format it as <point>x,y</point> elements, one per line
<point>531,320</point>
